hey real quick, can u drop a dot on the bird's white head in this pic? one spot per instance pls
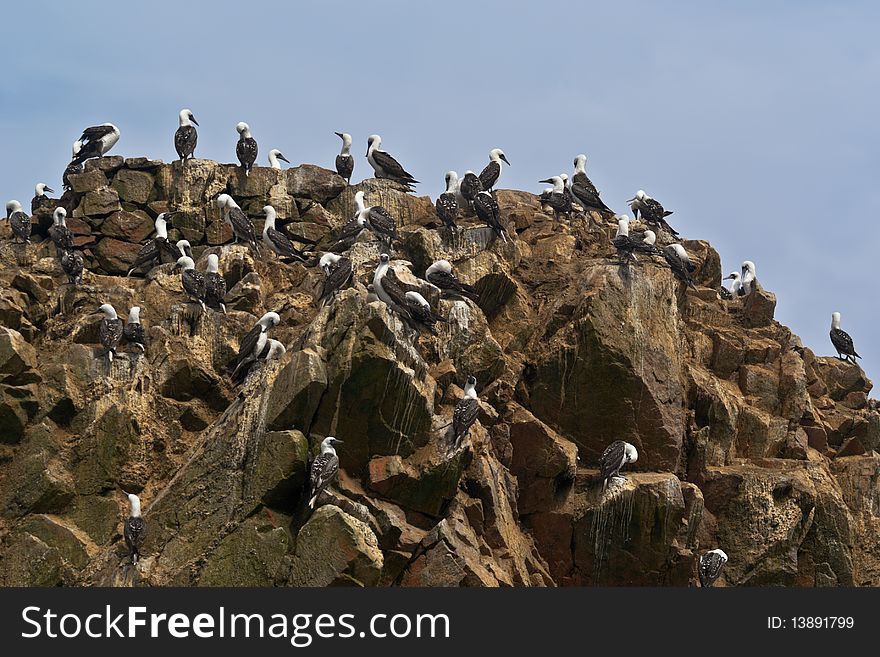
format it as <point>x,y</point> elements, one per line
<point>631,454</point>
<point>182,246</point>
<point>108,310</point>
<point>329,444</point>
<point>213,263</point>
<point>327,261</point>
<point>270,213</point>
<point>134,315</point>
<point>373,143</point>
<point>418,299</point>
<point>58,216</point>
<point>451,181</point>
<point>40,189</point>
<point>276,350</point>
<point>346,141</point>
<point>134,502</point>
<point>274,156</point>
<point>580,163</point>
<point>243,129</point>
<point>76,148</point>
<point>748,267</point>
<point>185,263</point>
<point>440,265</point>
<point>470,387</point>
<point>721,553</point>
<point>186,118</point>
<point>835,320</point>
<point>12,206</point>
<point>269,320</point>
<point>650,237</point>
<point>732,276</point>
<point>680,252</point>
<point>496,154</point>
<point>359,201</point>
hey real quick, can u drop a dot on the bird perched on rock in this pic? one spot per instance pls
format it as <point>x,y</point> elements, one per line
<point>385,166</point>
<point>491,172</point>
<point>135,530</point>
<point>440,274</point>
<point>40,200</point>
<point>378,220</point>
<point>447,203</point>
<point>651,211</point>
<point>736,286</point>
<point>253,343</point>
<point>842,341</point>
<point>242,226</point>
<point>134,331</point>
<point>74,168</point>
<point>60,234</point>
<point>72,264</point>
<point>421,313</point>
<point>193,281</point>
<point>19,222</point>
<point>348,233</point>
<point>392,291</point>
<point>711,565</point>
<point>345,160</point>
<point>269,350</point>
<point>246,148</point>
<point>185,248</point>
<point>615,456</point>
<point>278,241</point>
<point>186,136</point>
<point>648,243</point>
<point>275,159</point>
<point>624,244</point>
<point>560,198</point>
<point>469,186</point>
<point>324,469</point>
<point>215,284</point>
<point>110,331</point>
<point>466,412</point>
<point>487,211</point>
<point>154,248</point>
<point>338,272</point>
<point>679,262</point>
<point>583,189</point>
<point>749,280</point>
<point>96,141</point>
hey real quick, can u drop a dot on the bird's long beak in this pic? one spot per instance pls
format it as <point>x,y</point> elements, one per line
<point>341,442</point>
<point>48,189</point>
<point>547,181</point>
<point>726,278</point>
<point>631,200</point>
<point>283,159</point>
<point>503,157</point>
<point>338,134</point>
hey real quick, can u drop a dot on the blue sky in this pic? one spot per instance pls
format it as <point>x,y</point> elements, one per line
<point>754,121</point>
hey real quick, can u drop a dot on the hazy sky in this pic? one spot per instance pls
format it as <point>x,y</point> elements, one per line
<point>754,121</point>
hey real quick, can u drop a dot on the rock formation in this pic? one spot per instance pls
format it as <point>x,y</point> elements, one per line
<point>747,440</point>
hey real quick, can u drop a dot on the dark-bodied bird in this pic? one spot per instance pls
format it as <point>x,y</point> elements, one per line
<point>278,241</point>
<point>711,565</point>
<point>736,289</point>
<point>624,244</point>
<point>338,274</point>
<point>246,148</point>
<point>74,168</point>
<point>490,173</point>
<point>390,291</point>
<point>72,265</point>
<point>385,166</point>
<point>348,233</point>
<point>487,211</point>
<point>275,158</point>
<point>648,244</point>
<point>96,141</point>
<point>615,456</point>
<point>242,226</point>
<point>185,248</point>
<point>215,284</point>
<point>60,234</point>
<point>583,189</point>
<point>134,331</point>
<point>842,341</point>
<point>40,201</point>
<point>440,274</point>
<point>193,281</point>
<point>110,331</point>
<point>345,160</point>
<point>135,530</point>
<point>447,203</point>
<point>679,262</point>
<point>268,348</point>
<point>378,220</point>
<point>421,313</point>
<point>324,469</point>
<point>249,343</point>
<point>153,250</point>
<point>469,187</point>
<point>19,222</point>
<point>559,199</point>
<point>651,211</point>
<point>187,136</point>
<point>466,412</point>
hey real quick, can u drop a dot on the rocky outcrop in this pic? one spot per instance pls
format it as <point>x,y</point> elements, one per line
<point>747,439</point>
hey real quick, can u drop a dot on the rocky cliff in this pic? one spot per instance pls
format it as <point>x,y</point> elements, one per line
<point>748,441</point>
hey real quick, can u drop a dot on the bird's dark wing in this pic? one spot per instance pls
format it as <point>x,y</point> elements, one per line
<point>612,458</point>
<point>463,417</point>
<point>110,332</point>
<point>73,168</point>
<point>284,245</point>
<point>486,208</point>
<point>21,225</point>
<point>194,283</point>
<point>392,167</point>
<point>248,343</point>
<point>72,264</point>
<point>135,533</point>
<point>338,278</point>
<point>147,253</point>
<point>215,287</point>
<point>185,140</point>
<point>678,266</point>
<point>489,175</point>
<point>246,150</point>
<point>134,333</point>
<point>381,221</point>
<point>588,197</point>
<point>95,133</point>
<point>710,568</point>
<point>345,166</point>
<point>447,208</point>
<point>323,472</point>
<point>843,342</point>
<point>581,180</point>
<point>470,186</point>
<point>448,281</point>
<point>242,225</point>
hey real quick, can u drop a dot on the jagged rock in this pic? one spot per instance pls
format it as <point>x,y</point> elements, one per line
<point>28,561</point>
<point>133,186</point>
<point>407,209</point>
<point>88,181</point>
<point>294,398</point>
<point>252,555</point>
<point>128,226</point>
<point>100,202</point>
<point>313,182</point>
<point>116,256</point>
<point>17,357</point>
<point>109,164</point>
<point>279,469</point>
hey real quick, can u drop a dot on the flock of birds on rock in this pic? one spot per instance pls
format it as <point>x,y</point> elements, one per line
<point>472,193</point>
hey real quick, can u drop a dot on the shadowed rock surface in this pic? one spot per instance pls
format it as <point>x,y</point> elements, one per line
<point>747,440</point>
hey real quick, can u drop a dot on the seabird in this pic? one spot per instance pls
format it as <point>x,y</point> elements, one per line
<point>385,166</point>
<point>842,341</point>
<point>110,331</point>
<point>648,243</point>
<point>186,136</point>
<point>447,203</point>
<point>466,411</point>
<point>40,200</point>
<point>486,208</point>
<point>193,281</point>
<point>275,350</point>
<point>651,210</point>
<point>96,141</point>
<point>72,264</point>
<point>615,456</point>
<point>246,148</point>
<point>274,156</point>
<point>276,240</point>
<point>371,293</point>
<point>749,277</point>
<point>390,290</point>
<point>345,160</point>
<point>324,469</point>
<point>338,271</point>
<point>61,235</point>
<point>154,248</point>
<point>736,289</point>
<point>489,175</point>
<point>254,341</point>
<point>469,187</point>
<point>19,222</point>
<point>269,349</point>
<point>349,232</point>
<point>624,244</point>
<point>74,168</point>
<point>420,311</point>
<point>135,529</point>
<point>679,262</point>
<point>133,331</point>
<point>242,227</point>
<point>440,274</point>
<point>185,248</point>
<point>710,567</point>
<point>560,198</point>
<point>215,284</point>
<point>583,189</point>
<point>378,220</point>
